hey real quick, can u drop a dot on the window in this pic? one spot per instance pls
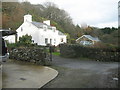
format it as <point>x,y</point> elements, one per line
<point>46,40</point>
<point>32,41</point>
<point>45,28</point>
<point>61,39</point>
<point>85,42</point>
<point>53,28</point>
<point>50,41</point>
<point>21,29</point>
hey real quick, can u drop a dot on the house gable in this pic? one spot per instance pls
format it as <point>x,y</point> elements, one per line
<point>25,26</point>
<point>87,39</point>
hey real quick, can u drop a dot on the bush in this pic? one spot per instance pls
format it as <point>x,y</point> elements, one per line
<point>101,54</point>
<point>67,51</point>
<point>25,40</point>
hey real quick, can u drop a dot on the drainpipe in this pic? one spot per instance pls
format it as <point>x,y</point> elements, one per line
<point>16,38</point>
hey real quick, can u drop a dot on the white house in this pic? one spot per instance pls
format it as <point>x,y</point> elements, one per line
<point>87,40</point>
<point>42,33</point>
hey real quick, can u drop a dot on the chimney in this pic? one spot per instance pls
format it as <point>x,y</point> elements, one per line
<point>28,18</point>
<point>47,22</point>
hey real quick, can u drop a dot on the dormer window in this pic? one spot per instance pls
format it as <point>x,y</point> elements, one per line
<point>53,28</point>
<point>45,28</point>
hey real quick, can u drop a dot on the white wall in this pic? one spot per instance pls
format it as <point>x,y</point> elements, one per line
<point>47,22</point>
<point>39,34</point>
<point>10,39</point>
<point>28,28</point>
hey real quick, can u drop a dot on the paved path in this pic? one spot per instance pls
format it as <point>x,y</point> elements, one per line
<point>76,73</point>
<point>26,75</point>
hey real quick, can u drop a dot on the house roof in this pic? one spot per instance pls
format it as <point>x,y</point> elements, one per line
<point>4,32</point>
<point>89,37</point>
<point>39,24</point>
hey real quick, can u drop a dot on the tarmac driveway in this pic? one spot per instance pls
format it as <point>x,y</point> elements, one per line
<point>77,73</point>
<point>18,74</point>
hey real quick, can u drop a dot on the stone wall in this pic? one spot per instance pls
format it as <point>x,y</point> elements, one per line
<point>36,55</point>
<point>99,54</point>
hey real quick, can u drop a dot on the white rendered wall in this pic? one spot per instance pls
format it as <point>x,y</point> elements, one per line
<point>10,39</point>
<point>28,28</point>
<point>39,34</point>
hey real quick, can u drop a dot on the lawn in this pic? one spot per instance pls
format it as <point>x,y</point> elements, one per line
<point>56,53</point>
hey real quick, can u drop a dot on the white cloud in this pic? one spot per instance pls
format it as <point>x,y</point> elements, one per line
<point>9,0</point>
<point>109,24</point>
<point>92,12</point>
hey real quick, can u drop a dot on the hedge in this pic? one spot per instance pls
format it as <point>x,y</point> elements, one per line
<point>101,54</point>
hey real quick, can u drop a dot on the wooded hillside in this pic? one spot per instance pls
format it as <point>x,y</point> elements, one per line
<point>13,12</point>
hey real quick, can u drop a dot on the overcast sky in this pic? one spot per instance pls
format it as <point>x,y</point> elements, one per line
<point>98,13</point>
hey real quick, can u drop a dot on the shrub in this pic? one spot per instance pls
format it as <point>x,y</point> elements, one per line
<point>25,40</point>
<point>101,54</point>
<point>67,51</point>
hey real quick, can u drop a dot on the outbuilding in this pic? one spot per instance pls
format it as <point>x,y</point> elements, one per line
<point>87,40</point>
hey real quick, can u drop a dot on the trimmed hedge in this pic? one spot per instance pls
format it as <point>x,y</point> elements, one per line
<point>101,54</point>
